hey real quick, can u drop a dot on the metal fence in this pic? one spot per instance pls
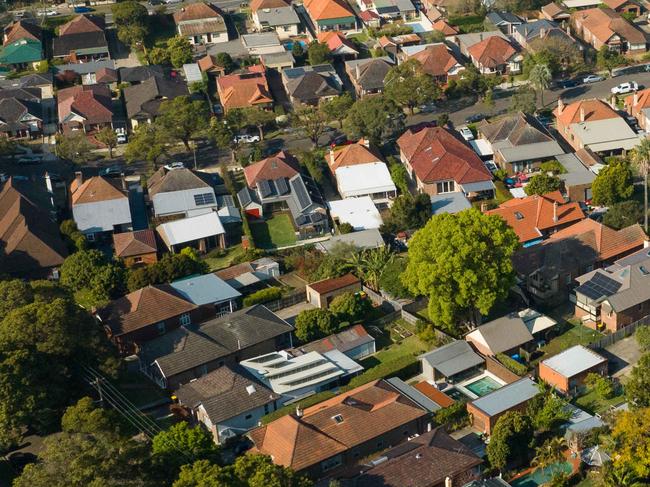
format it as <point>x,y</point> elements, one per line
<point>287,301</point>
<point>618,335</point>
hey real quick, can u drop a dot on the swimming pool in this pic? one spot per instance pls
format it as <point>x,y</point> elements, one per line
<point>483,386</point>
<point>540,476</point>
<point>457,395</point>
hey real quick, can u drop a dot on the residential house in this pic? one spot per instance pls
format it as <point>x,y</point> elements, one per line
<point>40,81</point>
<point>506,335</point>
<point>105,76</point>
<point>295,377</point>
<point>338,44</point>
<point>354,342</point>
<point>395,45</point>
<point>202,232</point>
<point>533,35</point>
<point>81,40</point>
<point>555,12</point>
<point>247,89</point>
<point>100,205</point>
<point>87,73</point>
<point>367,75</point>
<point>181,191</point>
<point>136,248</point>
<point>389,9</point>
<point>190,352</point>
<point>495,55</point>
<point>321,293</point>
<point>330,15</point>
<point>29,236</point>
<point>377,413</point>
<point>85,108</point>
<point>310,84</point>
<point>445,28</point>
<point>278,60</point>
<point>438,60</point>
<point>593,124</point>
<point>567,370</point>
<point>615,296</point>
<point>201,23</point>
<point>451,363</point>
<point>228,401</point>
<point>250,276</point>
<point>433,459</point>
<point>208,64</point>
<point>536,217</point>
<point>23,53</point>
<point>625,6</point>
<point>465,41</point>
<point>143,100</point>
<point>507,22</point>
<point>361,213</point>
<point>519,142</point>
<point>209,292</point>
<point>548,271</point>
<point>276,15</point>
<point>262,43</point>
<point>439,163</point>
<point>21,29</point>
<point>605,27</point>
<point>137,74</point>
<point>370,19</point>
<point>577,178</point>
<point>638,106</point>
<point>275,184</point>
<point>485,411</point>
<point>362,240</point>
<point>21,113</point>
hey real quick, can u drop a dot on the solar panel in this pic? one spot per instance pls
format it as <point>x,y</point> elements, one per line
<point>599,286</point>
<point>300,191</point>
<point>264,188</point>
<point>281,185</point>
<point>204,199</point>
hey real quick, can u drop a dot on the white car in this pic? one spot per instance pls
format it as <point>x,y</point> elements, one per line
<point>592,78</point>
<point>174,165</point>
<point>48,13</point>
<point>121,135</point>
<point>246,138</point>
<point>491,166</point>
<point>466,133</point>
<point>625,88</point>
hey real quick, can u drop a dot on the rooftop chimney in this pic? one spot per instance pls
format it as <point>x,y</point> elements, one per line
<point>560,106</point>
<point>79,178</point>
<point>646,243</point>
<point>555,211</point>
<point>635,100</point>
<point>298,412</point>
<point>542,31</point>
<point>449,482</point>
<point>365,142</point>
<point>582,113</point>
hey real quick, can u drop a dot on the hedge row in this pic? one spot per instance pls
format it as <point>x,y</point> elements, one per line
<point>512,365</point>
<point>263,296</point>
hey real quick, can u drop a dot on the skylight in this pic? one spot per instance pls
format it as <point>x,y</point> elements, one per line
<point>338,419</point>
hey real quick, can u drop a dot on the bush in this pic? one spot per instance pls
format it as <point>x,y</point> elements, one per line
<point>642,336</point>
<point>603,386</point>
<point>314,323</point>
<point>452,417</point>
<point>263,296</point>
<point>552,166</point>
<point>345,227</point>
<point>350,307</point>
<point>512,365</point>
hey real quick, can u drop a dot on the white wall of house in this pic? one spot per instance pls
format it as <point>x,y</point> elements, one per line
<point>210,38</point>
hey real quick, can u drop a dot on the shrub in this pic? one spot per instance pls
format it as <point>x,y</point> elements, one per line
<point>345,227</point>
<point>642,336</point>
<point>350,307</point>
<point>602,385</point>
<point>512,365</point>
<point>263,296</point>
<point>452,417</point>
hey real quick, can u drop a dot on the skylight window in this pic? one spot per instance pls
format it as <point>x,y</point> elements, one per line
<point>519,216</point>
<point>338,419</point>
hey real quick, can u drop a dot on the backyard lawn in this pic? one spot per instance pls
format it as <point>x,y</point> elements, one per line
<point>592,403</point>
<point>221,262</point>
<point>575,335</point>
<point>273,233</point>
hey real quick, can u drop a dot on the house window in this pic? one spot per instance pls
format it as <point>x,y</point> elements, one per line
<point>248,416</point>
<point>185,319</point>
<point>137,260</point>
<point>204,199</point>
<point>331,463</point>
<point>90,237</point>
<point>445,187</point>
<point>160,327</point>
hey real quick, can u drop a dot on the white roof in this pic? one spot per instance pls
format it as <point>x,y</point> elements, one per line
<point>189,229</point>
<point>360,212</point>
<point>536,321</point>
<point>518,192</point>
<point>606,135</point>
<point>482,147</point>
<point>192,72</point>
<point>580,3</point>
<point>573,361</point>
<point>363,179</point>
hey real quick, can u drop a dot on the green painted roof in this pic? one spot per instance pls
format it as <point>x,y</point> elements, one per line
<point>21,51</point>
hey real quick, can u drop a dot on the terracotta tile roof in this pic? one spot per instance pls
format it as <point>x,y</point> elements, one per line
<point>638,101</point>
<point>335,39</point>
<point>608,242</point>
<point>603,23</point>
<point>256,5</point>
<point>329,285</point>
<point>592,109</point>
<point>552,9</point>
<point>95,189</point>
<point>22,30</point>
<point>588,157</point>
<point>433,14</point>
<point>492,52</point>
<point>351,155</point>
<point>445,28</point>
<point>234,271</point>
<point>209,63</point>
<point>144,307</point>
<point>327,9</point>
<point>129,244</point>
<point>196,11</point>
<point>29,238</point>
<point>437,60</point>
<point>92,102</point>
<point>244,89</point>
<point>531,216</point>
<point>436,155</point>
<point>440,398</point>
<point>106,75</point>
<point>614,4</point>
<point>367,412</point>
<point>368,16</point>
<point>82,24</point>
<point>280,165</point>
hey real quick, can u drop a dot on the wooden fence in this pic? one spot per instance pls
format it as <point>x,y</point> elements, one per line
<point>286,301</point>
<point>618,335</point>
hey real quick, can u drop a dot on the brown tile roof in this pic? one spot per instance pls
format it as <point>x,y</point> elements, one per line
<point>592,109</point>
<point>440,398</point>
<point>444,27</point>
<point>82,24</point>
<point>492,52</point>
<point>342,341</point>
<point>280,165</point>
<point>196,11</point>
<point>209,63</point>
<point>166,181</point>
<point>106,75</point>
<point>92,102</point>
<point>234,271</point>
<point>29,239</point>
<point>367,412</point>
<point>94,189</point>
<point>351,155</point>
<point>609,243</point>
<point>436,155</point>
<point>531,216</point>
<point>244,89</point>
<point>638,101</point>
<point>552,9</point>
<point>437,60</point>
<point>603,23</point>
<point>144,307</point>
<point>256,5</point>
<point>22,29</point>
<point>614,4</point>
<point>140,242</point>
<point>588,157</point>
<point>199,27</point>
<point>329,285</point>
<point>335,39</point>
<point>327,9</point>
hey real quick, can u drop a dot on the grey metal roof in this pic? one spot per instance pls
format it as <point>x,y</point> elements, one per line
<point>573,361</point>
<point>413,394</point>
<point>453,358</point>
<point>85,68</point>
<point>205,289</point>
<point>449,203</point>
<point>278,16</point>
<point>165,181</point>
<point>504,333</point>
<point>498,18</point>
<point>365,239</point>
<point>576,173</point>
<point>507,397</point>
<point>532,29</point>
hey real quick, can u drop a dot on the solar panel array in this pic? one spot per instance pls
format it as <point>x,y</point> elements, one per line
<point>300,191</point>
<point>281,186</point>
<point>599,286</point>
<point>204,199</point>
<point>264,188</point>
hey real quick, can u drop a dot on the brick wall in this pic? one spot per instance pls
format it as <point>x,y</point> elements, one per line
<point>495,367</point>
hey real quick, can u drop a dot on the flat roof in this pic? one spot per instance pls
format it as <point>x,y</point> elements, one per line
<point>189,229</point>
<point>574,360</point>
<point>360,212</point>
<point>205,289</point>
<point>507,397</point>
<point>449,203</point>
<point>577,173</point>
<point>192,73</point>
<point>482,147</point>
<point>363,179</point>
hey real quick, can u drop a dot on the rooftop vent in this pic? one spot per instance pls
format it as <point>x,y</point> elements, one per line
<point>251,389</point>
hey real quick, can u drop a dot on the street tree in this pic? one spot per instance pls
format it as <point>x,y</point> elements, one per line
<point>108,137</point>
<point>609,59</point>
<point>74,147</point>
<point>462,262</point>
<point>335,109</point>
<point>524,100</point>
<point>409,86</point>
<point>220,133</point>
<point>182,119</point>
<point>375,117</point>
<point>311,121</point>
<point>145,144</point>
<point>542,184</point>
<point>641,161</point>
<point>132,21</point>
<point>318,53</point>
<point>613,184</point>
<point>540,77</point>
<point>258,118</point>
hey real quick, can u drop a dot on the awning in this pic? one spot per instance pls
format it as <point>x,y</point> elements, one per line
<point>482,147</point>
<point>478,187</point>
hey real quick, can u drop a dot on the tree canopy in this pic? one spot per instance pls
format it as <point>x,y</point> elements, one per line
<point>623,214</point>
<point>613,184</point>
<point>637,388</point>
<point>509,439</point>
<point>542,183</point>
<point>409,86</point>
<point>182,119</point>
<point>318,53</point>
<point>375,117</point>
<point>407,212</point>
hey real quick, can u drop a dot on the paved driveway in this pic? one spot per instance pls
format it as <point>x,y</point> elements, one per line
<point>623,356</point>
<point>289,314</point>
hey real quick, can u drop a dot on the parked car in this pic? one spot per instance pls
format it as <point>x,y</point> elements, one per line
<point>111,171</point>
<point>427,108</point>
<point>623,88</point>
<point>121,135</point>
<point>246,138</point>
<point>477,117</point>
<point>565,83</point>
<point>218,109</point>
<point>82,10</point>
<point>466,133</point>
<point>48,13</point>
<point>592,78</point>
<point>30,159</point>
<point>491,166</point>
<point>175,165</point>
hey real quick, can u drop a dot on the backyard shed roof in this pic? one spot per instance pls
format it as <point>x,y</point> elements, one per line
<point>574,360</point>
<point>452,358</point>
<point>507,397</point>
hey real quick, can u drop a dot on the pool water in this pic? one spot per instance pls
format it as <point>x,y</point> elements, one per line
<point>483,386</point>
<point>540,476</point>
<point>457,395</point>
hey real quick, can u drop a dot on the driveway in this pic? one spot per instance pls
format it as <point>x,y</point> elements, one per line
<point>120,52</point>
<point>623,355</point>
<point>289,314</point>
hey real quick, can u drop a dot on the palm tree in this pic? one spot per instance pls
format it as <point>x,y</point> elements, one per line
<point>369,264</point>
<point>549,453</point>
<point>621,477</point>
<point>641,160</point>
<point>540,77</point>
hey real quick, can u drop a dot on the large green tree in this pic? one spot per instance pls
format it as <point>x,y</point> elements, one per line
<point>311,121</point>
<point>74,147</point>
<point>195,443</point>
<point>147,143</point>
<point>637,387</point>
<point>542,183</point>
<point>540,77</point>
<point>462,262</point>
<point>409,86</point>
<point>623,214</point>
<point>318,53</point>
<point>132,21</point>
<point>509,439</point>
<point>408,212</point>
<point>375,117</point>
<point>350,307</point>
<point>314,323</point>
<point>613,184</point>
<point>180,51</point>
<point>90,270</point>
<point>183,119</point>
<point>336,109</point>
<point>641,161</point>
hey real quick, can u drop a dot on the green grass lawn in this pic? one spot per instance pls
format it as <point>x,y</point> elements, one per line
<point>502,192</point>
<point>574,335</point>
<point>592,403</point>
<point>273,233</point>
<point>221,262</point>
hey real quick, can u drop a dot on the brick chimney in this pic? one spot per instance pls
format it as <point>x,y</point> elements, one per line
<point>555,211</point>
<point>635,100</point>
<point>79,178</point>
<point>365,142</point>
<point>560,106</point>
<point>582,113</point>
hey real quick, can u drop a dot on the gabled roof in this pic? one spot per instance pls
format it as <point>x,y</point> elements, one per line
<point>106,75</point>
<point>327,9</point>
<point>351,155</point>
<point>82,24</point>
<point>129,244</point>
<point>437,155</point>
<point>437,59</point>
<point>603,23</point>
<point>638,101</point>
<point>453,358</point>
<point>492,52</point>
<point>335,40</point>
<point>21,51</point>
<point>94,41</point>
<point>29,238</point>
<point>328,285</point>
<point>147,96</point>
<point>280,165</point>
<point>307,83</point>
<point>95,189</point>
<point>15,114</point>
<point>21,29</point>
<point>502,334</point>
<point>256,5</point>
<point>614,4</point>
<point>335,425</point>
<point>240,90</point>
<point>370,73</point>
<point>442,26</point>
<point>166,181</point>
<point>138,74</point>
<point>554,9</point>
<point>531,216</point>
<point>92,102</point>
<point>209,63</point>
<point>196,11</point>
<point>589,110</point>
<point>343,341</point>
